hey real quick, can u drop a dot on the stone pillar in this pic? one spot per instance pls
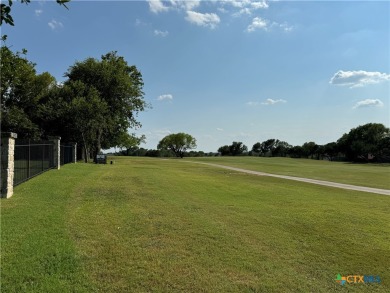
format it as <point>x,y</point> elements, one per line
<point>7,163</point>
<point>74,152</point>
<point>56,151</point>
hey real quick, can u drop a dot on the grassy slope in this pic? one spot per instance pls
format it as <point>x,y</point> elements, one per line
<point>144,225</point>
<point>370,175</point>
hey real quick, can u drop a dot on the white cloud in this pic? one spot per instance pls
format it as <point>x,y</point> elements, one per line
<point>264,24</point>
<point>161,33</point>
<point>272,102</point>
<point>139,22</point>
<point>187,5</point>
<point>54,24</point>
<point>219,129</point>
<point>38,12</point>
<point>259,4</point>
<point>368,103</point>
<point>247,3</point>
<point>245,6</point>
<point>358,78</point>
<point>157,6</point>
<point>284,26</point>
<point>266,102</point>
<point>167,97</point>
<point>203,19</point>
<point>257,23</point>
<point>252,103</point>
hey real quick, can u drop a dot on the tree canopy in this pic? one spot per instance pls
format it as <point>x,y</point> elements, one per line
<point>178,143</point>
<point>371,140</point>
<point>96,105</point>
<point>5,10</point>
<point>117,88</point>
<point>22,94</point>
<point>235,149</point>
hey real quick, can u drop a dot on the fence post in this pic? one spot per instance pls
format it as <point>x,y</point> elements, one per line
<point>74,152</point>
<point>7,163</point>
<point>56,151</point>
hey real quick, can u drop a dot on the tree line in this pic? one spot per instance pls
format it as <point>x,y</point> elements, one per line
<point>366,143</point>
<point>95,106</point>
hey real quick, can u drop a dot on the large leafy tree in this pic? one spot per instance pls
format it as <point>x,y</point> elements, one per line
<point>366,141</point>
<point>281,149</point>
<point>130,142</point>
<point>22,93</point>
<point>178,143</point>
<point>237,148</point>
<point>118,87</point>
<point>224,150</point>
<point>88,111</point>
<point>309,149</point>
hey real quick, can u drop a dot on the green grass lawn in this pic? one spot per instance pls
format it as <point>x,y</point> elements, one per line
<point>370,175</point>
<point>152,225</point>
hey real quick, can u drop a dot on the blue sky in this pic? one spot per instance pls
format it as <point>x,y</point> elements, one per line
<point>227,71</point>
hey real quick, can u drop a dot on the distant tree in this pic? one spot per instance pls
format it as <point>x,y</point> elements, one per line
<point>280,149</point>
<point>129,141</point>
<point>224,150</point>
<point>330,150</point>
<point>178,143</point>
<point>256,149</point>
<point>309,149</point>
<point>365,142</point>
<point>266,147</point>
<point>295,152</point>
<point>237,148</point>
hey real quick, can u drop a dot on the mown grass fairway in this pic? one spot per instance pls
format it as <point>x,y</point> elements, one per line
<point>152,225</point>
<point>370,175</point>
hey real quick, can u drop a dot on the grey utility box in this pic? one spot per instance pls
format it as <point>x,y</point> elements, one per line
<point>101,159</point>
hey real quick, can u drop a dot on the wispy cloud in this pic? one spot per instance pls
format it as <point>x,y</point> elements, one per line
<point>259,23</point>
<point>210,20</point>
<point>166,97</point>
<point>273,102</point>
<point>38,12</point>
<point>369,103</point>
<point>219,129</point>
<point>157,6</point>
<point>266,102</point>
<point>358,78</point>
<point>54,24</point>
<point>245,6</point>
<point>161,33</point>
<point>283,26</point>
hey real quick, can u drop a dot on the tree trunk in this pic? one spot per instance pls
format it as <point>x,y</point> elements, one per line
<point>98,146</point>
<point>85,147</point>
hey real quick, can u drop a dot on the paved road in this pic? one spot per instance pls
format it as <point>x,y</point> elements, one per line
<point>313,181</point>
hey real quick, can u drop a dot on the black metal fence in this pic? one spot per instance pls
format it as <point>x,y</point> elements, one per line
<point>66,154</point>
<point>32,158</point>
